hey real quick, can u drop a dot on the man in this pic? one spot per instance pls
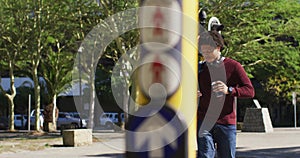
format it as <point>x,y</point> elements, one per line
<point>220,80</point>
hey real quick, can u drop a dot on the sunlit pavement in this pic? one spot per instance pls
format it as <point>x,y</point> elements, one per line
<point>282,143</point>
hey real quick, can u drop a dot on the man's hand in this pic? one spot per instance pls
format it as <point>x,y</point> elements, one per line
<point>219,86</point>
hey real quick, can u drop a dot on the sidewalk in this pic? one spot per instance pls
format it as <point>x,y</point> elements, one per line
<point>282,143</point>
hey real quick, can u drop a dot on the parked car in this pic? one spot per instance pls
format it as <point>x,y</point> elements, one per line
<point>82,117</point>
<point>65,119</point>
<point>108,119</point>
<point>20,121</point>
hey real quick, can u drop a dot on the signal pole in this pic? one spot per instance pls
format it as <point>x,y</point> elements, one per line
<point>167,76</point>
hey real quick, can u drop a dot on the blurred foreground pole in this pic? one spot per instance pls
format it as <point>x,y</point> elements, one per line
<point>186,98</point>
<point>166,82</point>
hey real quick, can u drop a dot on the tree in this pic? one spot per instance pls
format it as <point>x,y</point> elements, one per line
<point>262,36</point>
<point>108,30</point>
<point>57,63</point>
<point>35,55</point>
<point>47,33</point>
<point>66,24</point>
<point>14,30</point>
<point>56,70</point>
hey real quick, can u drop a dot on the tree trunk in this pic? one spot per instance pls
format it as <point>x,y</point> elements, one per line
<point>92,93</point>
<point>11,96</point>
<point>125,100</point>
<point>54,115</point>
<point>35,63</point>
<point>37,99</point>
<point>50,117</point>
<point>11,113</point>
<point>92,105</point>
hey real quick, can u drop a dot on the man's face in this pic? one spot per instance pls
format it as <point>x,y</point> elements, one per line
<point>210,53</point>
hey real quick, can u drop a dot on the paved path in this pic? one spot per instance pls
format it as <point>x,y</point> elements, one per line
<point>282,143</point>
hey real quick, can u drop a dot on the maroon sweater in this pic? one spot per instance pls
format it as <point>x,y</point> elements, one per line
<point>235,77</point>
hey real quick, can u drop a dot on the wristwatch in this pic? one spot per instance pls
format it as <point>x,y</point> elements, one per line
<point>230,89</point>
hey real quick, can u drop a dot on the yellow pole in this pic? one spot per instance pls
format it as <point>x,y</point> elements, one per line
<point>185,99</point>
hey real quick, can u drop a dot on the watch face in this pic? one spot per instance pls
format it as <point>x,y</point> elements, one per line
<point>230,89</point>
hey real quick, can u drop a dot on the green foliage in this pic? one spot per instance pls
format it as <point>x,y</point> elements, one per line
<point>120,47</point>
<point>14,26</point>
<point>65,24</point>
<point>257,34</point>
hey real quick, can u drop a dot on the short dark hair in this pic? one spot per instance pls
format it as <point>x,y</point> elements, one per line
<point>212,38</point>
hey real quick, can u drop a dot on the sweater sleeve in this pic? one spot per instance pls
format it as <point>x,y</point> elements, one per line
<point>244,88</point>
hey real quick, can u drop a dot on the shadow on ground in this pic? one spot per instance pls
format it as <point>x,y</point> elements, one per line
<point>28,135</point>
<point>109,155</point>
<point>289,152</point>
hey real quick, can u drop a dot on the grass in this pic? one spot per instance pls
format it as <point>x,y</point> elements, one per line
<point>15,142</point>
<point>33,141</point>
